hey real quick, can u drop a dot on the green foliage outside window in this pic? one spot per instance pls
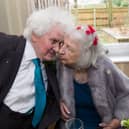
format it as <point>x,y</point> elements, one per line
<point>120,3</point>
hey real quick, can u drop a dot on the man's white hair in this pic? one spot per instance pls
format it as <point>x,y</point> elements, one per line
<point>41,21</point>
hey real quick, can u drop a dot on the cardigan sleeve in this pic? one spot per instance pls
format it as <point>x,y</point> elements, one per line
<point>121,85</point>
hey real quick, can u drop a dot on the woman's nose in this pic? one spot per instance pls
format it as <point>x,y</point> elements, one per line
<point>61,51</point>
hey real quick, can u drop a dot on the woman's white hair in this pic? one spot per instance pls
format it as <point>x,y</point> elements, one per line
<point>91,48</point>
<point>41,21</point>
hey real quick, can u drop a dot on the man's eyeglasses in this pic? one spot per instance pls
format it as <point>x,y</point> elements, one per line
<point>55,42</point>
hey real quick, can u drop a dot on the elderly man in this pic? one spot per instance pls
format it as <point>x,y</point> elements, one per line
<point>28,89</point>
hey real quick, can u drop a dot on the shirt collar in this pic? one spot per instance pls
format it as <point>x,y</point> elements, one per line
<point>29,51</point>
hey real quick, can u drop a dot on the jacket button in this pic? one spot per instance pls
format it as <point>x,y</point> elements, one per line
<point>108,71</point>
<point>6,61</point>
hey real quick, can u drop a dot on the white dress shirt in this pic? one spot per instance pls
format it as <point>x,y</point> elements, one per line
<point>21,97</point>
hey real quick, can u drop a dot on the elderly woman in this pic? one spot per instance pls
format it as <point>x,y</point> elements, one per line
<point>92,87</point>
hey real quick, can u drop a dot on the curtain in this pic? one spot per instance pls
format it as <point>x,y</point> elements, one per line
<point>41,4</point>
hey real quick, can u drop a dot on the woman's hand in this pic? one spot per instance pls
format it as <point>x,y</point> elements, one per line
<point>114,124</point>
<point>64,111</point>
<point>105,126</point>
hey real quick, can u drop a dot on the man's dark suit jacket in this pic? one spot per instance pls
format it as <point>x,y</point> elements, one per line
<point>11,52</point>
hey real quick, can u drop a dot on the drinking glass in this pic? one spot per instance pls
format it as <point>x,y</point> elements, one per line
<point>74,123</point>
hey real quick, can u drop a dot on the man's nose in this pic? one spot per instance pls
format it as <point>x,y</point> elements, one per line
<point>56,48</point>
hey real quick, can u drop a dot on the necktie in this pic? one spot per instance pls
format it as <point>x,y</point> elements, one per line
<point>40,94</point>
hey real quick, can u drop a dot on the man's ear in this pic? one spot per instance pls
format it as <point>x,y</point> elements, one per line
<point>34,37</point>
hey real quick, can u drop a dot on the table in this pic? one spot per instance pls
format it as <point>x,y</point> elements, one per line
<point>119,34</point>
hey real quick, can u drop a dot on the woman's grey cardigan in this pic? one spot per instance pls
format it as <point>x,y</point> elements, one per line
<point>109,87</point>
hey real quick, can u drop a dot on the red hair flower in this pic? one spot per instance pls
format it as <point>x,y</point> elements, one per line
<point>92,30</point>
<point>78,27</point>
<point>87,32</point>
<point>95,42</point>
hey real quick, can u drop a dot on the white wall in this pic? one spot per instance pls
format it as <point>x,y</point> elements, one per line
<point>13,14</point>
<point>118,52</point>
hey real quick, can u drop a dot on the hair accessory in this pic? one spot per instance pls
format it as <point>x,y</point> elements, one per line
<point>78,27</point>
<point>89,30</point>
<point>92,30</point>
<point>95,42</point>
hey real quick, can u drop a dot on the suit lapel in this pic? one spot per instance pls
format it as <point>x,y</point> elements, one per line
<point>10,65</point>
<point>52,80</point>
